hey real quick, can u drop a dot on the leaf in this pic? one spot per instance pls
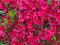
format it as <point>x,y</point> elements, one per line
<point>12,21</point>
<point>26,43</point>
<point>44,42</point>
<point>16,16</point>
<point>11,13</point>
<point>6,31</point>
<point>53,38</point>
<point>2,13</point>
<point>7,37</point>
<point>39,41</point>
<point>57,28</point>
<point>5,21</point>
<point>35,33</point>
<point>46,24</point>
<point>35,26</point>
<point>3,24</point>
<point>48,1</point>
<point>20,40</point>
<point>1,20</point>
<point>58,40</point>
<point>3,42</point>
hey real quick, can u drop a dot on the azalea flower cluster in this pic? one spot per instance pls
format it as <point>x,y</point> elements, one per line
<point>29,22</point>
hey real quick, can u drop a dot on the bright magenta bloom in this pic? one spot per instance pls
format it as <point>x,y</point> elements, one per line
<point>29,22</point>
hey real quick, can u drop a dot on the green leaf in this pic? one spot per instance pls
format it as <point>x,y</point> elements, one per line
<point>8,37</point>
<point>53,38</point>
<point>26,43</point>
<point>35,33</point>
<point>35,26</point>
<point>20,40</point>
<point>11,13</point>
<point>2,13</point>
<point>43,42</point>
<point>48,1</point>
<point>16,16</point>
<point>12,21</point>
<point>3,42</point>
<point>1,20</point>
<point>58,40</point>
<point>6,31</point>
<point>3,24</point>
<point>5,21</point>
<point>46,24</point>
<point>39,41</point>
<point>57,28</point>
